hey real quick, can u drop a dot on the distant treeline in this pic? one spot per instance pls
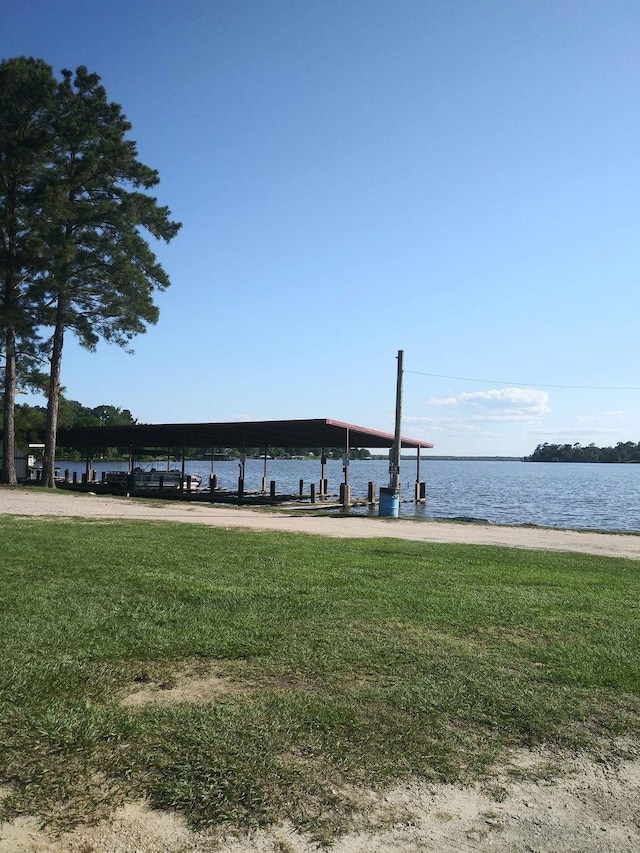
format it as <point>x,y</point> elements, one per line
<point>626,451</point>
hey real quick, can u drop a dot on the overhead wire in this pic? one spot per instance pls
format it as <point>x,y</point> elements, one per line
<point>526,384</point>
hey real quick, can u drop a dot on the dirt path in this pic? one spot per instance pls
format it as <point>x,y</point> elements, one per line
<point>21,501</point>
<point>584,806</point>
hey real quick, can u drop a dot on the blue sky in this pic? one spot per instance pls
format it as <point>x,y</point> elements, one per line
<point>458,179</point>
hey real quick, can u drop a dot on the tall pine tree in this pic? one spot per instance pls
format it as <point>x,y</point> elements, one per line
<point>103,274</point>
<point>27,89</point>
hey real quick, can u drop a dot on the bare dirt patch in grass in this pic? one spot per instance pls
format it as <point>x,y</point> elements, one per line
<point>192,685</point>
<point>540,801</point>
<point>197,691</point>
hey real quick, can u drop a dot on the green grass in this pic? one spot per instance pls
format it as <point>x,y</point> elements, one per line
<point>364,661</point>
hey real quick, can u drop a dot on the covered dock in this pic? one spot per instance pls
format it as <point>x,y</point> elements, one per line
<point>175,439</point>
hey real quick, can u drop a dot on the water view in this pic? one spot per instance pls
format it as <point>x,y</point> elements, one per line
<point>596,496</point>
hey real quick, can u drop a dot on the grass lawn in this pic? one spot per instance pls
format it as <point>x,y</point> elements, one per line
<point>353,663</point>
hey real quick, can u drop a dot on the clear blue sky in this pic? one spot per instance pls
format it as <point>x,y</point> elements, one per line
<point>455,178</point>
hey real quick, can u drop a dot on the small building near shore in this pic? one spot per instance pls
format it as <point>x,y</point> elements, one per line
<point>21,460</point>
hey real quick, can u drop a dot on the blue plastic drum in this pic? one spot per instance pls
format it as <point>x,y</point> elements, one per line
<point>389,505</point>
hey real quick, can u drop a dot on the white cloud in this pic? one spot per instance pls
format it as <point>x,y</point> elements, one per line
<point>448,425</point>
<point>604,416</point>
<point>499,404</point>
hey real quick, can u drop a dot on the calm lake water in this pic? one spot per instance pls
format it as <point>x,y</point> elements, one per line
<point>604,497</point>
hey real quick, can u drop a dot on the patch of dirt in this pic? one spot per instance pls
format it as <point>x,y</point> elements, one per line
<point>589,807</point>
<point>189,684</point>
<point>197,691</point>
<point>134,828</point>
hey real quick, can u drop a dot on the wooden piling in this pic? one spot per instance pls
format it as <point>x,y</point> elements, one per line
<point>345,494</point>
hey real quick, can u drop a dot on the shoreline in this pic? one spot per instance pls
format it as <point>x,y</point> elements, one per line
<point>28,501</point>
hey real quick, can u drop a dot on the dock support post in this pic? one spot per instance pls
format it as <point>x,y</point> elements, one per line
<point>345,495</point>
<point>345,488</point>
<point>272,489</point>
<point>421,486</point>
<point>264,473</point>
<point>301,489</point>
<point>372,493</point>
<point>240,487</point>
<point>323,481</point>
<point>312,493</point>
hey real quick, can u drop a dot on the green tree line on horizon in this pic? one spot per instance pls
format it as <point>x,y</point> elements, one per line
<point>75,210</point>
<point>626,451</point>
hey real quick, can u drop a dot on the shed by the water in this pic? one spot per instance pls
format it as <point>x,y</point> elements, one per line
<point>239,435</point>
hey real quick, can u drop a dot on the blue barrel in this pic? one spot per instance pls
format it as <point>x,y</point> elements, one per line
<point>389,505</point>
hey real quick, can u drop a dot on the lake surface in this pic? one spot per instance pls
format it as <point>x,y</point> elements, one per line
<point>604,497</point>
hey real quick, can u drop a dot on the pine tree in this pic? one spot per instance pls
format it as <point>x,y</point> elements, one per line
<point>103,274</point>
<point>26,93</point>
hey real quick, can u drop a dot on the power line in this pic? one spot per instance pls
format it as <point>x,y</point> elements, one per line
<point>526,384</point>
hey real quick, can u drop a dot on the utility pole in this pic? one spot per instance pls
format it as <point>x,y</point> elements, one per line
<point>394,464</point>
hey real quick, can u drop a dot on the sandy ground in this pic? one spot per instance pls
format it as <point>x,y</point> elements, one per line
<point>22,501</point>
<point>583,806</point>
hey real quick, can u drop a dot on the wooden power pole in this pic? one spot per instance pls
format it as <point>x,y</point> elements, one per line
<point>394,464</point>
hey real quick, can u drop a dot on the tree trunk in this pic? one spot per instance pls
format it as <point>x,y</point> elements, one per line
<point>9,399</point>
<point>53,401</point>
